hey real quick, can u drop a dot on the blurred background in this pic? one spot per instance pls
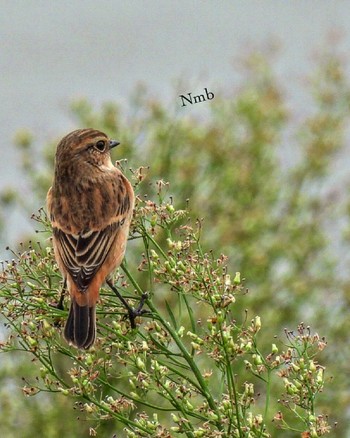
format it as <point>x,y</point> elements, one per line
<point>268,155</point>
<point>53,53</point>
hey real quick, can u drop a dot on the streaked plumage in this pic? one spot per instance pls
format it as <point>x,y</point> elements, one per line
<point>90,206</point>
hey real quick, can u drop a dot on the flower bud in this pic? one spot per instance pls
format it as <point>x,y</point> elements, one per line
<point>199,433</point>
<point>237,278</point>
<point>178,245</point>
<point>312,366</point>
<point>319,376</point>
<point>170,208</point>
<point>153,220</point>
<point>181,331</point>
<point>140,364</point>
<point>247,347</point>
<point>295,367</point>
<point>31,341</point>
<point>258,419</point>
<point>257,359</point>
<point>257,323</point>
<point>170,243</point>
<point>154,255</point>
<point>212,416</point>
<point>175,418</point>
<point>188,405</point>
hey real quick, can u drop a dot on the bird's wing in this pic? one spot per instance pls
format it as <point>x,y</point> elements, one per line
<point>83,254</point>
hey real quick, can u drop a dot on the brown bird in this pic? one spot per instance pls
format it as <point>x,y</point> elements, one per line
<point>90,206</point>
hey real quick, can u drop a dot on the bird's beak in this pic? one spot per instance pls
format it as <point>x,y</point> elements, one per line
<point>113,144</point>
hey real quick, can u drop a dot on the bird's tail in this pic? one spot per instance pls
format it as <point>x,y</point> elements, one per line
<point>80,329</point>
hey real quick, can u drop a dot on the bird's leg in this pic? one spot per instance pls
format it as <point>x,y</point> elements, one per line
<point>59,305</point>
<point>62,294</point>
<point>132,313</point>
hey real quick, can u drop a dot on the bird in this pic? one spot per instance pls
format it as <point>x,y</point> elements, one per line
<point>90,206</point>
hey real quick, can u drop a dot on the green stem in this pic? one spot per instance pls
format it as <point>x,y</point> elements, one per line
<point>187,356</point>
<point>230,377</point>
<point>149,237</point>
<point>150,269</point>
<point>267,400</point>
<point>119,417</point>
<point>177,406</point>
<point>179,373</point>
<point>232,386</point>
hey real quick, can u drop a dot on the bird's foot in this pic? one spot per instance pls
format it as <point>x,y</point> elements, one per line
<point>132,313</point>
<point>139,311</point>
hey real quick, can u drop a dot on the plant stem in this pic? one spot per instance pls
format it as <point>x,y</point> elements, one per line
<point>187,356</point>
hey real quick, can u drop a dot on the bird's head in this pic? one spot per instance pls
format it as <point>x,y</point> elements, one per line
<point>85,148</point>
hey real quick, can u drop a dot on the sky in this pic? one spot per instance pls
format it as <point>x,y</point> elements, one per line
<point>53,52</point>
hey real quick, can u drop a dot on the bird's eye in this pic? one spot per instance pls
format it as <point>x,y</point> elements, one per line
<point>100,145</point>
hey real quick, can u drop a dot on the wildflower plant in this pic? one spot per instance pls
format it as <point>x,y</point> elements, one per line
<point>193,367</point>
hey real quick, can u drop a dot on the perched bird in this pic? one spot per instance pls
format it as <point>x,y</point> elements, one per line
<point>90,205</point>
